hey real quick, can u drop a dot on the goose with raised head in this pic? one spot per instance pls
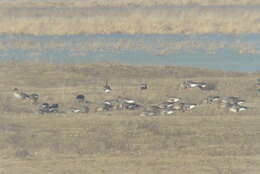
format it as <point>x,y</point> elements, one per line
<point>143,86</point>
<point>107,87</point>
<point>19,94</point>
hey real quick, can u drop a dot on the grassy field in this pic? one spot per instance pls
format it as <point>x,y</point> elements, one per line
<point>147,17</point>
<point>206,140</point>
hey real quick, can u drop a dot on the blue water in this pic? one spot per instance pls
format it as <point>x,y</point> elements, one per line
<point>139,49</point>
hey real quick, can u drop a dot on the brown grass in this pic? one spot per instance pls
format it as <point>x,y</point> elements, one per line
<point>207,139</point>
<point>138,17</point>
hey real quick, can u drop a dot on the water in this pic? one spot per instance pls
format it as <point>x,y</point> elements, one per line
<point>213,51</point>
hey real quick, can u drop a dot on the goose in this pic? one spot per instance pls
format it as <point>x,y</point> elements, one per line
<point>105,106</point>
<point>107,87</point>
<point>54,108</point>
<point>84,109</point>
<point>144,86</point>
<point>192,84</point>
<point>178,107</point>
<point>233,100</point>
<point>132,106</point>
<point>168,112</point>
<point>125,100</point>
<point>237,108</point>
<point>20,95</point>
<point>80,98</point>
<point>212,99</point>
<point>165,105</point>
<point>44,108</point>
<point>34,98</point>
<point>203,86</point>
<point>188,106</point>
<point>173,99</point>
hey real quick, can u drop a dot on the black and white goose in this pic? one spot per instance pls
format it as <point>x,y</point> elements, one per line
<point>237,108</point>
<point>83,109</point>
<point>143,86</point>
<point>34,98</point>
<point>173,99</point>
<point>80,98</point>
<point>19,94</point>
<point>105,106</point>
<point>54,108</point>
<point>44,108</point>
<point>168,112</point>
<point>233,100</point>
<point>211,99</point>
<point>107,87</point>
<point>188,106</point>
<point>189,84</point>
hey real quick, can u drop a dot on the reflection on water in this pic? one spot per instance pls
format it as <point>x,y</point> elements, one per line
<point>215,51</point>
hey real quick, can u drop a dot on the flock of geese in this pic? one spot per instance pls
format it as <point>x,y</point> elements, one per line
<point>171,106</point>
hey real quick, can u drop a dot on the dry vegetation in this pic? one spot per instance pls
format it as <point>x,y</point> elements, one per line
<point>149,17</point>
<point>206,140</point>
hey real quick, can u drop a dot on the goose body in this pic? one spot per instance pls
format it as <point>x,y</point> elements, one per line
<point>237,108</point>
<point>19,94</point>
<point>212,99</point>
<point>107,87</point>
<point>168,112</point>
<point>173,99</point>
<point>54,108</point>
<point>80,98</point>
<point>144,86</point>
<point>84,109</point>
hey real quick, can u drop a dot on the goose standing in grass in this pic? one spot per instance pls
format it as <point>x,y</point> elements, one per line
<point>83,109</point>
<point>80,98</point>
<point>168,112</point>
<point>211,99</point>
<point>188,106</point>
<point>173,99</point>
<point>143,86</point>
<point>54,108</point>
<point>34,98</point>
<point>233,100</point>
<point>237,108</point>
<point>128,103</point>
<point>165,105</point>
<point>107,87</point>
<point>105,106</point>
<point>19,94</point>
<point>44,108</point>
<point>189,84</point>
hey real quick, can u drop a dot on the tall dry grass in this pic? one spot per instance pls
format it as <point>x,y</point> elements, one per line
<point>120,3</point>
<point>128,19</point>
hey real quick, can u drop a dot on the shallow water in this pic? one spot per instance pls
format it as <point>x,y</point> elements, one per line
<point>214,51</point>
